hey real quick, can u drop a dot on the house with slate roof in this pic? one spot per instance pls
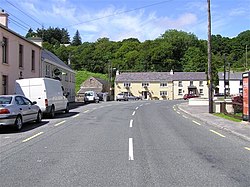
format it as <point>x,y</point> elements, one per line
<point>53,67</point>
<point>162,85</point>
<point>233,86</point>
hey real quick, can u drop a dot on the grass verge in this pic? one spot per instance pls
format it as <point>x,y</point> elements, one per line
<point>231,118</point>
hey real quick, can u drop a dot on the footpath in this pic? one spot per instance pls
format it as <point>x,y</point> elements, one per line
<point>241,129</point>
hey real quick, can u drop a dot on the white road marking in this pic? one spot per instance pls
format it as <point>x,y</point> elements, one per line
<point>59,123</point>
<point>147,104</point>
<point>133,113</point>
<point>141,105</point>
<point>247,148</point>
<point>219,134</point>
<point>196,122</point>
<point>86,111</point>
<point>101,106</point>
<point>184,116</point>
<point>131,123</point>
<point>32,137</point>
<point>94,109</point>
<point>76,116</point>
<point>136,108</point>
<point>6,137</point>
<point>178,112</point>
<point>130,150</point>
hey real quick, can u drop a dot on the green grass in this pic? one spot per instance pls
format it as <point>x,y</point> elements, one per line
<point>227,117</point>
<point>81,76</point>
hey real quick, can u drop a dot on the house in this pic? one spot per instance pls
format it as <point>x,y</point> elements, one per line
<point>233,86</point>
<point>20,58</point>
<point>162,85</point>
<point>94,84</point>
<point>53,67</point>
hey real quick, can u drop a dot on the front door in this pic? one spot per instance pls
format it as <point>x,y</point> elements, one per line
<point>144,94</point>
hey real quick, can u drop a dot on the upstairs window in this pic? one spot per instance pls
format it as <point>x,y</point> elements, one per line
<point>201,83</point>
<point>5,84</point>
<point>20,56</point>
<point>180,84</point>
<point>145,84</point>
<point>163,93</point>
<point>191,83</point>
<point>5,50</point>
<point>127,84</point>
<point>32,60</point>
<point>163,84</point>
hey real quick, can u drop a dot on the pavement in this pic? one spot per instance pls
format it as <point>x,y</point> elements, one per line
<point>241,129</point>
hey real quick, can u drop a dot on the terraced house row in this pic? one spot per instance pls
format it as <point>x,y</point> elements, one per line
<point>172,85</point>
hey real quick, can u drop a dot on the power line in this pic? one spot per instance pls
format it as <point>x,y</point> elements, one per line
<point>115,14</point>
<point>19,25</point>
<point>23,12</point>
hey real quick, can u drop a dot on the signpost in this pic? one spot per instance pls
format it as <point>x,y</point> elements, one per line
<point>246,95</point>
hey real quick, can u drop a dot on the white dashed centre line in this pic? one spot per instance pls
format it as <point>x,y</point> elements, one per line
<point>32,137</point>
<point>131,123</point>
<point>60,123</point>
<point>86,111</point>
<point>133,113</point>
<point>76,116</point>
<point>219,134</point>
<point>130,150</point>
<point>136,108</point>
<point>196,123</point>
<point>247,148</point>
<point>184,116</point>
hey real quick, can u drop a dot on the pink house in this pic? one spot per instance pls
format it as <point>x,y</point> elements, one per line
<point>19,57</point>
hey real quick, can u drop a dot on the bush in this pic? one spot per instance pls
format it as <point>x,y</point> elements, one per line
<point>237,104</point>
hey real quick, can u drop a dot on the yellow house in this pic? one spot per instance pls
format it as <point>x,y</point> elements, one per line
<point>162,85</point>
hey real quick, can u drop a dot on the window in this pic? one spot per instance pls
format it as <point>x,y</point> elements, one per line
<point>47,70</point>
<point>163,93</point>
<point>191,83</point>
<point>19,101</point>
<point>5,84</point>
<point>240,82</point>
<point>180,84</point>
<point>145,84</point>
<point>33,60</point>
<point>66,77</point>
<point>20,56</point>
<point>126,84</point>
<point>26,101</point>
<point>179,91</point>
<point>5,50</point>
<point>163,84</point>
<point>201,92</point>
<point>201,83</point>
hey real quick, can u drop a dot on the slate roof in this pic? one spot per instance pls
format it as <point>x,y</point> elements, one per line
<point>51,57</point>
<point>160,76</point>
<point>232,75</point>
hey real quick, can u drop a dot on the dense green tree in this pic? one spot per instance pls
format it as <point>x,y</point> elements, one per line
<point>76,39</point>
<point>30,34</point>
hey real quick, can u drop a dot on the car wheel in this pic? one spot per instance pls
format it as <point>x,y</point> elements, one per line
<point>52,112</point>
<point>18,123</point>
<point>39,117</point>
<point>67,109</point>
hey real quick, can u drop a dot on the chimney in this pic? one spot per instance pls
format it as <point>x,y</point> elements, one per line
<point>36,40</point>
<point>117,72</point>
<point>4,18</point>
<point>171,72</point>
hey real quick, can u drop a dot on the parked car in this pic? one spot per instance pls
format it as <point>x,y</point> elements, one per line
<point>91,96</point>
<point>48,93</point>
<point>132,97</point>
<point>16,110</point>
<point>122,97</point>
<point>188,96</point>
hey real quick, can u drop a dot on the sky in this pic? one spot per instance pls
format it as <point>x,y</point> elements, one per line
<point>122,19</point>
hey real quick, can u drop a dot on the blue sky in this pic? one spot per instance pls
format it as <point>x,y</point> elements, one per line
<point>118,20</point>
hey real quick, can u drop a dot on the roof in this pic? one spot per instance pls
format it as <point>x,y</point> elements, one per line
<point>160,76</point>
<point>232,75</point>
<point>102,81</point>
<point>85,89</point>
<point>53,58</point>
<point>18,35</point>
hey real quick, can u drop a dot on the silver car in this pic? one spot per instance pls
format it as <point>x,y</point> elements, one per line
<point>16,110</point>
<point>122,97</point>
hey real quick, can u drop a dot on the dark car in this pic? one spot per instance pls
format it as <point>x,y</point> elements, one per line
<point>188,96</point>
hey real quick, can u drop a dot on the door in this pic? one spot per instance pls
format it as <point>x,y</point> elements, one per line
<point>23,108</point>
<point>145,94</point>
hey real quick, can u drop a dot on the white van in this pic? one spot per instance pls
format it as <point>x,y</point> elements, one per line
<point>47,92</point>
<point>91,96</point>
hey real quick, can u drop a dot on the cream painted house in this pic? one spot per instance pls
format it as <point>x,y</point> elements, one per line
<point>162,85</point>
<point>19,57</point>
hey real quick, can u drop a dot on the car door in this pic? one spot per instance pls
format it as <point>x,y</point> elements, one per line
<point>23,108</point>
<point>32,109</point>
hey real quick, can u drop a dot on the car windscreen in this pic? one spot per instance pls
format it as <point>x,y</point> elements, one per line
<point>89,94</point>
<point>5,100</point>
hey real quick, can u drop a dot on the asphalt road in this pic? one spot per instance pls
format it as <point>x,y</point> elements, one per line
<point>137,143</point>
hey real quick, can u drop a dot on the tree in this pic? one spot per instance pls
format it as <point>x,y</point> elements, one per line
<point>30,33</point>
<point>76,39</point>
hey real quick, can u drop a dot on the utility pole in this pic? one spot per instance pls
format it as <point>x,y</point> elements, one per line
<point>225,77</point>
<point>246,58</point>
<point>210,83</point>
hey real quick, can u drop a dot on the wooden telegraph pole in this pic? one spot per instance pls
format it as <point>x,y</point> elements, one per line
<point>210,83</point>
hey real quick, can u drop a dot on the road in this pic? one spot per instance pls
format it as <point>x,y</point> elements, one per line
<point>135,143</point>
